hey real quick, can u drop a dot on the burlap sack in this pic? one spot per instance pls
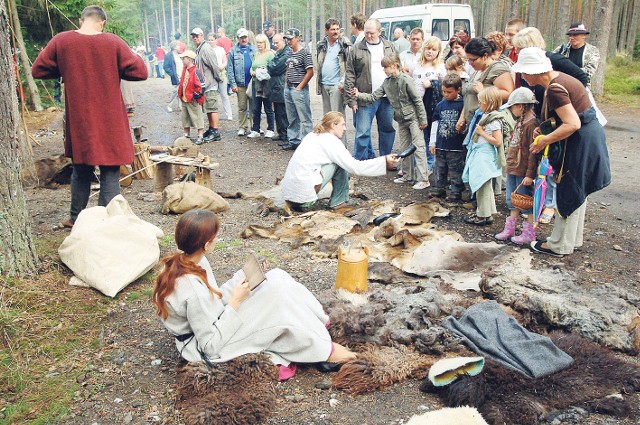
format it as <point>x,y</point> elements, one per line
<point>179,198</point>
<point>110,247</point>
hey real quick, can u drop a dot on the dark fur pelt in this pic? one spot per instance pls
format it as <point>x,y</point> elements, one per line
<point>505,396</point>
<point>240,391</point>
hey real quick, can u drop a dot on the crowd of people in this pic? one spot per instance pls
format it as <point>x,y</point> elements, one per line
<point>482,112</point>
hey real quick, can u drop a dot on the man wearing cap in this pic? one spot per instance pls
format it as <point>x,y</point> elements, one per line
<point>269,31</point>
<point>207,63</point>
<point>583,54</point>
<point>332,62</point>
<point>180,46</point>
<point>239,73</point>
<point>97,132</point>
<point>296,91</point>
<point>365,72</point>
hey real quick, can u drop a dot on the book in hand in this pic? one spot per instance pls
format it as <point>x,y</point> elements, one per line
<point>253,271</point>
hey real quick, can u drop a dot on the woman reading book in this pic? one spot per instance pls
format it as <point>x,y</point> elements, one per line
<point>214,323</point>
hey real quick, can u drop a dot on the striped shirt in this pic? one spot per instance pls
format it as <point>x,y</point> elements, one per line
<point>297,66</point>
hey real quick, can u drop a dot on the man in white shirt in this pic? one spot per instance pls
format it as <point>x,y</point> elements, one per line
<point>365,72</point>
<point>410,56</point>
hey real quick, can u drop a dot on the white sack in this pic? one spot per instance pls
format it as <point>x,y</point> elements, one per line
<point>110,247</point>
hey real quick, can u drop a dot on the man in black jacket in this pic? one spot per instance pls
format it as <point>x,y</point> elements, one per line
<point>277,69</point>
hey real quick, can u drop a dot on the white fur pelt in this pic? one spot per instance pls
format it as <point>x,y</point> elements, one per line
<point>464,415</point>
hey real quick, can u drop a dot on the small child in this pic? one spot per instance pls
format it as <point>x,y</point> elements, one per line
<point>190,92</point>
<point>521,164</point>
<point>408,112</point>
<point>455,65</point>
<point>446,142</point>
<point>482,157</point>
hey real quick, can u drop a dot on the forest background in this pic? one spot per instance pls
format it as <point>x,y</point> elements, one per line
<point>613,24</point>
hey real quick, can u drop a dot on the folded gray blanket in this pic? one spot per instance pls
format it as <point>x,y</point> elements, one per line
<point>488,331</point>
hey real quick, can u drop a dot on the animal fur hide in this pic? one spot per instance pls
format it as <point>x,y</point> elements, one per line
<point>505,396</point>
<point>377,368</point>
<point>553,298</point>
<point>449,416</point>
<point>240,391</point>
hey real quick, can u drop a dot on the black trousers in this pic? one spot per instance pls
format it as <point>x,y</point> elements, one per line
<point>282,122</point>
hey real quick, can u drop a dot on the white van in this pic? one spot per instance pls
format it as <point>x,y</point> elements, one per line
<point>439,19</point>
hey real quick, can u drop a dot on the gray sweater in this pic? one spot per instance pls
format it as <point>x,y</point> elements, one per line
<point>207,63</point>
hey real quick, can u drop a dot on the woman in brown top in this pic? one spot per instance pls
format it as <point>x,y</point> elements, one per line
<point>488,72</point>
<point>582,166</point>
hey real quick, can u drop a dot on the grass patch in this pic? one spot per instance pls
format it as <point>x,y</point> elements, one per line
<point>47,332</point>
<point>622,81</point>
<point>233,243</point>
<point>165,241</point>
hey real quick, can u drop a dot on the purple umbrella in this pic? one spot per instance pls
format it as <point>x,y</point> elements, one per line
<point>540,188</point>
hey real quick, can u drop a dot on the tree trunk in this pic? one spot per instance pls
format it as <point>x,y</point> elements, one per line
<point>211,15</point>
<point>17,251</point>
<point>632,27</point>
<point>564,20</point>
<point>159,33</point>
<point>489,17</point>
<point>24,58</point>
<point>188,16</point>
<point>314,26</point>
<point>600,38</point>
<point>164,19</point>
<point>173,21</point>
<point>180,17</point>
<point>244,13</point>
<point>616,27</point>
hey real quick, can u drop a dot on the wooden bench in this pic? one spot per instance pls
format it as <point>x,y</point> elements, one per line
<point>165,163</point>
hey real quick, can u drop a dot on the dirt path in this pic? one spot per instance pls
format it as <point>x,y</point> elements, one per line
<point>130,378</point>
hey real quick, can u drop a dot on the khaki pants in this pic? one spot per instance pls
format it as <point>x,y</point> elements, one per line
<point>243,104</point>
<point>408,134</point>
<point>486,200</point>
<point>567,232</point>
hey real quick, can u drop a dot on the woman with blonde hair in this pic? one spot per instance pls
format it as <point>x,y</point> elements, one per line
<point>322,158</point>
<point>427,73</point>
<point>214,323</point>
<point>259,77</point>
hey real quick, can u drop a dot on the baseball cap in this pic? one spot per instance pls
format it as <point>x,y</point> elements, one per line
<point>197,31</point>
<point>292,32</point>
<point>188,54</point>
<point>577,28</point>
<point>519,96</point>
<point>267,25</point>
<point>242,32</point>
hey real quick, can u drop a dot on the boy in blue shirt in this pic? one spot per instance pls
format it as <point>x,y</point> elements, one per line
<point>446,142</point>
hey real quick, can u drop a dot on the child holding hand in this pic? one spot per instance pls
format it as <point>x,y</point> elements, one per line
<point>521,164</point>
<point>408,112</point>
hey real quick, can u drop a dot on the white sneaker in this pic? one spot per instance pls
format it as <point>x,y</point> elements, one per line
<point>169,109</point>
<point>269,134</point>
<point>401,180</point>
<point>229,118</point>
<point>253,135</point>
<point>421,185</point>
<point>242,132</point>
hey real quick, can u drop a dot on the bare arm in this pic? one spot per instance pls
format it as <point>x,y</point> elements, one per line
<point>570,124</point>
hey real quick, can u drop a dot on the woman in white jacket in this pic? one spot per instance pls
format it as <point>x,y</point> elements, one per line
<point>322,158</point>
<point>214,324</point>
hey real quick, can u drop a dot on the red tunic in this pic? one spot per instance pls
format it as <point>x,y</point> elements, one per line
<point>97,128</point>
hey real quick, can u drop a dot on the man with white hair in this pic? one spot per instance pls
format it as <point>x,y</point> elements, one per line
<point>239,73</point>
<point>400,43</point>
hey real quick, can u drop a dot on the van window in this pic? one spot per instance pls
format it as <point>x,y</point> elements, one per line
<point>385,29</point>
<point>440,29</point>
<point>462,24</point>
<point>405,26</point>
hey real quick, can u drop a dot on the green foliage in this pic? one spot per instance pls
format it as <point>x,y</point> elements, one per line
<point>125,20</point>
<point>636,48</point>
<point>622,81</point>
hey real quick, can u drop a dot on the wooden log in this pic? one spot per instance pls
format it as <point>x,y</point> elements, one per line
<point>203,177</point>
<point>163,176</point>
<point>141,160</point>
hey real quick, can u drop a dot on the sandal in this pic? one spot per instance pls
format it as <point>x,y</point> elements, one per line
<point>536,246</point>
<point>546,216</point>
<point>478,221</point>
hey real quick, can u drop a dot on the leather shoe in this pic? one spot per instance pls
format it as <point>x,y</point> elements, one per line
<point>326,367</point>
<point>410,150</point>
<point>289,147</point>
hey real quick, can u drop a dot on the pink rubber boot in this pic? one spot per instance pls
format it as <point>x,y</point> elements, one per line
<point>527,236</point>
<point>509,229</point>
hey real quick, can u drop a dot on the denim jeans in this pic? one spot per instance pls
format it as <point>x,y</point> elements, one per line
<point>550,197</point>
<point>257,111</point>
<point>339,180</point>
<point>81,178</point>
<point>298,113</point>
<point>431,159</point>
<point>449,166</point>
<point>382,111</point>
<point>512,183</point>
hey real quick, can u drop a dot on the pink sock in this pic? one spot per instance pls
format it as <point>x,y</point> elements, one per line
<point>326,325</point>
<point>286,372</point>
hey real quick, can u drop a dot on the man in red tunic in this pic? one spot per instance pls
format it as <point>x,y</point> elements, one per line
<point>92,63</point>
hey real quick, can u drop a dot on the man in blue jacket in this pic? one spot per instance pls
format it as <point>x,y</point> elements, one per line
<point>238,71</point>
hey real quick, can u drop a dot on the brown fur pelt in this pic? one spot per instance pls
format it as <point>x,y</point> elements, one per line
<point>377,368</point>
<point>505,396</point>
<point>240,391</point>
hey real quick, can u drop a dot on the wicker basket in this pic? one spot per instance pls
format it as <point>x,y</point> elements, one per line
<point>520,201</point>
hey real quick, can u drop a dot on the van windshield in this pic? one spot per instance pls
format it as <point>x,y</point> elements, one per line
<point>405,25</point>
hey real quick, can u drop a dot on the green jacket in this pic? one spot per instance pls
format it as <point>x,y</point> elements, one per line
<point>277,68</point>
<point>358,72</point>
<point>403,96</point>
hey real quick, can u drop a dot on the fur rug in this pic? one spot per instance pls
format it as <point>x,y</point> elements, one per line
<point>377,368</point>
<point>505,396</point>
<point>449,416</point>
<point>240,391</point>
